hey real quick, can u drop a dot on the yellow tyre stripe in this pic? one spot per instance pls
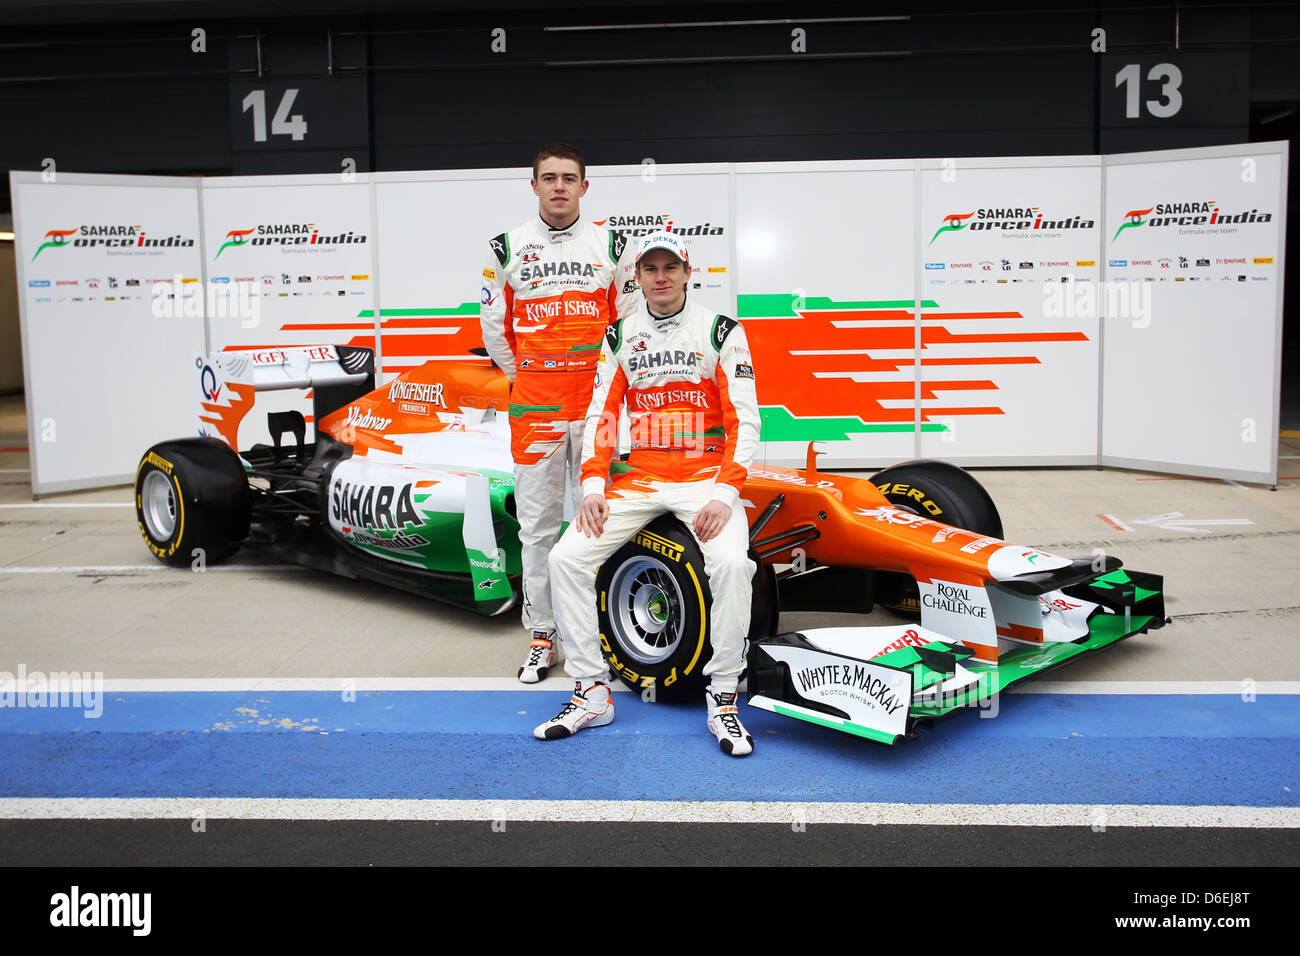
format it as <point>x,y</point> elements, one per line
<point>180,511</point>
<point>703,622</point>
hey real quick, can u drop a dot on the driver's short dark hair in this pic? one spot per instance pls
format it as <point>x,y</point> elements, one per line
<point>560,151</point>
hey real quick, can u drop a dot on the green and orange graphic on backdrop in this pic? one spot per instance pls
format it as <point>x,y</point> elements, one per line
<point>826,368</point>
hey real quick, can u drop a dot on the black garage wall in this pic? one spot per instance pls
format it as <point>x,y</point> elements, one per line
<point>483,88</point>
<point>122,86</point>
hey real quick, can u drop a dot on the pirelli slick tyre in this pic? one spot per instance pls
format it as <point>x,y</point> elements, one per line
<point>192,493</point>
<point>938,490</point>
<point>652,607</point>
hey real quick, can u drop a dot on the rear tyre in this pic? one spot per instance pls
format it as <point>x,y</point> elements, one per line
<point>192,501</point>
<point>652,608</point>
<point>938,490</point>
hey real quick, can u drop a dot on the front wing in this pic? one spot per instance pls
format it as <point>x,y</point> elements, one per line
<point>822,677</point>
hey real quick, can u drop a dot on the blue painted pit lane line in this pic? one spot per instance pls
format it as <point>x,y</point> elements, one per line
<point>1170,750</point>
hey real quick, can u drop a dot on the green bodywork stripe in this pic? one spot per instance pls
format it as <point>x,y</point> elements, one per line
<point>780,425</point>
<point>847,726</point>
<point>782,304</point>
<point>519,411</point>
<point>465,308</point>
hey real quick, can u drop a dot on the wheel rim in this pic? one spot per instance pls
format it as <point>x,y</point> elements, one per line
<point>158,502</point>
<point>647,610</point>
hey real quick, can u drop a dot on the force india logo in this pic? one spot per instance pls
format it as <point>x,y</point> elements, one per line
<point>284,234</point>
<point>1186,214</point>
<point>108,236</point>
<point>1007,219</point>
<point>658,222</point>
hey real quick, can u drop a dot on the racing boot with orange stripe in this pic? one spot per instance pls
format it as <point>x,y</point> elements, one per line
<point>724,723</point>
<point>541,658</point>
<point>590,706</point>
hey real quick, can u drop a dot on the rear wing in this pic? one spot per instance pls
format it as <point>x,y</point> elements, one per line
<point>228,381</point>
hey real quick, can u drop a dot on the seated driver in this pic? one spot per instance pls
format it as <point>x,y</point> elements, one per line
<point>687,377</point>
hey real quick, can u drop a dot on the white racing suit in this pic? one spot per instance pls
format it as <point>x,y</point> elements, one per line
<point>688,381</point>
<point>547,296</point>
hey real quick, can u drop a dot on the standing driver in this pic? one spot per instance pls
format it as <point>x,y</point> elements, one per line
<point>550,287</point>
<point>687,378</point>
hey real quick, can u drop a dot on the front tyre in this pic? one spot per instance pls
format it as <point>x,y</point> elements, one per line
<point>938,490</point>
<point>652,609</point>
<point>192,499</point>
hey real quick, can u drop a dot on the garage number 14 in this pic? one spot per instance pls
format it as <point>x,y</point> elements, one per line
<point>282,124</point>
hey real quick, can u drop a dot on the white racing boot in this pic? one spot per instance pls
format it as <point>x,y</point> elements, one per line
<point>590,706</point>
<point>724,723</point>
<point>541,658</point>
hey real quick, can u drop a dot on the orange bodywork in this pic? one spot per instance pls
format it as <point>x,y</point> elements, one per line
<point>856,525</point>
<point>410,404</point>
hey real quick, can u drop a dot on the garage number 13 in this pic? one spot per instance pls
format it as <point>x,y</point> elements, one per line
<point>1167,75</point>
<point>282,124</point>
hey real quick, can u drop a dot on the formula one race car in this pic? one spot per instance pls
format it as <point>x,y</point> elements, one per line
<point>411,485</point>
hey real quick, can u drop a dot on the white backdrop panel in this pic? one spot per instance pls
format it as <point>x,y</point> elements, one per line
<point>1195,388</point>
<point>1009,369</point>
<point>306,243</point>
<point>435,229</point>
<point>96,359</point>
<point>826,268</point>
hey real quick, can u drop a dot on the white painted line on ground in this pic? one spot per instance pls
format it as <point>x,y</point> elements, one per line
<point>151,685</point>
<point>1174,521</point>
<point>1114,522</point>
<point>657,811</point>
<point>122,568</point>
<point>72,504</point>
<point>336,684</point>
<point>1157,687</point>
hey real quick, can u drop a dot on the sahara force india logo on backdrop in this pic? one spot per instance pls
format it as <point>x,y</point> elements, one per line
<point>1186,214</point>
<point>120,237</point>
<point>285,234</point>
<point>1007,219</point>
<point>643,225</point>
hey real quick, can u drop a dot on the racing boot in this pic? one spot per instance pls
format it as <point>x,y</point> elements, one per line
<point>724,723</point>
<point>541,658</point>
<point>590,706</point>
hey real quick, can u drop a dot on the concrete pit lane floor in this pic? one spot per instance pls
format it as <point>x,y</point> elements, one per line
<point>194,662</point>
